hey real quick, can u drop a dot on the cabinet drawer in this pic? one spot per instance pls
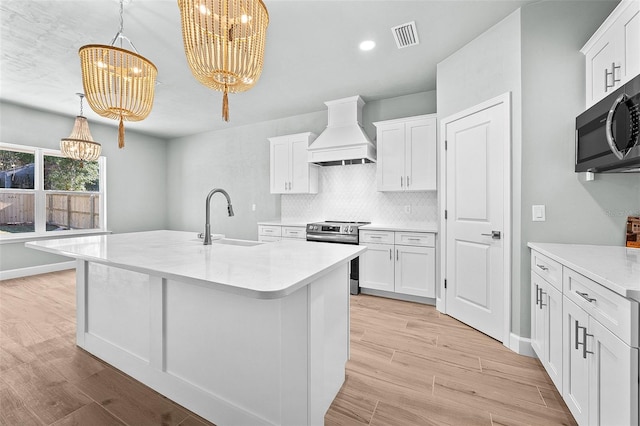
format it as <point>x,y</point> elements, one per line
<point>294,232</point>
<point>548,269</point>
<point>376,237</point>
<point>415,239</point>
<point>616,313</point>
<point>270,230</point>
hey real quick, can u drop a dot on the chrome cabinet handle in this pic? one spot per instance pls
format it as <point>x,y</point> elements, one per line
<point>585,296</point>
<point>614,80</point>
<point>541,300</point>
<point>407,181</point>
<point>537,294</point>
<point>401,182</point>
<point>544,268</point>
<point>397,255</point>
<point>390,255</point>
<point>584,340</point>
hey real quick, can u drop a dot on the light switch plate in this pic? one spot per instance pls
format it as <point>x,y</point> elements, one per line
<point>538,213</point>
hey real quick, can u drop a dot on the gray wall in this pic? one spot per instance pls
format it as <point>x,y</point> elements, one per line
<point>136,175</point>
<point>237,159</point>
<point>487,67</point>
<point>543,40</point>
<point>553,90</point>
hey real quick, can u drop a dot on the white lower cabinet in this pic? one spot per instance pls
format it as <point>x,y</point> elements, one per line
<point>586,337</point>
<point>398,262</point>
<point>546,327</point>
<point>270,233</point>
<point>601,371</point>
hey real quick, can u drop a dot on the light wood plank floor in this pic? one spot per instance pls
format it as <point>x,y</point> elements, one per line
<point>409,366</point>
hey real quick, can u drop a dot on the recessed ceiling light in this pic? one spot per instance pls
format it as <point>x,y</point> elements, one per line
<point>367,45</point>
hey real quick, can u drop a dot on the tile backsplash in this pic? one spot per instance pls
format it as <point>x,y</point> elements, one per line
<point>349,193</point>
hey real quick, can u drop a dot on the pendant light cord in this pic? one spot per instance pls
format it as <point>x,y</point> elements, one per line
<point>121,20</point>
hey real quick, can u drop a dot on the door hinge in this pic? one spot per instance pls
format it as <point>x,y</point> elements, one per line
<point>445,214</point>
<point>445,283</point>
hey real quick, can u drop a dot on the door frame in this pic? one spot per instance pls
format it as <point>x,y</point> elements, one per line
<point>441,295</point>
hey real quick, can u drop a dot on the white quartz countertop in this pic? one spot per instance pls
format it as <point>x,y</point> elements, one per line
<point>614,267</point>
<point>429,227</point>
<point>263,271</point>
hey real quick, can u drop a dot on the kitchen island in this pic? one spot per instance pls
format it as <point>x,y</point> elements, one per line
<point>239,332</point>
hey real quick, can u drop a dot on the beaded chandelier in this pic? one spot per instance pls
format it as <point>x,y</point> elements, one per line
<point>224,43</point>
<point>119,84</point>
<point>80,144</point>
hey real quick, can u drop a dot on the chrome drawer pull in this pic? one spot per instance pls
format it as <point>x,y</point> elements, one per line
<point>537,294</point>
<point>544,268</point>
<point>585,296</point>
<point>390,255</point>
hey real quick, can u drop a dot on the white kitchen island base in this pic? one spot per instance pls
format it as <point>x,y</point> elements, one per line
<point>227,357</point>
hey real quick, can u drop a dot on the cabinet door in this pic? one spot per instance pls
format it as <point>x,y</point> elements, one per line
<point>537,318</point>
<point>630,47</point>
<point>420,155</point>
<point>280,163</point>
<point>552,298</point>
<point>376,267</point>
<point>600,81</point>
<point>391,156</point>
<point>415,271</point>
<point>575,380</point>
<point>299,166</point>
<point>613,378</point>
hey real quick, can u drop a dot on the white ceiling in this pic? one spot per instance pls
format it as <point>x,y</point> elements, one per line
<point>311,55</point>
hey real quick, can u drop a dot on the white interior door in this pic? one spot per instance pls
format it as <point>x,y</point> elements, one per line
<point>476,193</point>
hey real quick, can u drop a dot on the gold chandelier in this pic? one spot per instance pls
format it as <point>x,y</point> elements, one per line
<point>224,43</point>
<point>80,144</point>
<point>118,83</point>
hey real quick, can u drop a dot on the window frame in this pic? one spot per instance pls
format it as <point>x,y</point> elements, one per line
<point>40,198</point>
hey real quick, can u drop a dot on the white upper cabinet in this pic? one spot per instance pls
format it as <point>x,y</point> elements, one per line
<point>290,173</point>
<point>613,52</point>
<point>407,154</point>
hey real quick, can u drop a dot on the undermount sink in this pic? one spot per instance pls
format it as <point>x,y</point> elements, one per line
<point>232,242</point>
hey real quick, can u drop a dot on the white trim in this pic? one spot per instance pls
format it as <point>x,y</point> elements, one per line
<point>507,233</point>
<point>521,345</point>
<point>36,270</point>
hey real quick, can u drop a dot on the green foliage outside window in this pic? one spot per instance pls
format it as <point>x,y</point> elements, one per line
<point>66,174</point>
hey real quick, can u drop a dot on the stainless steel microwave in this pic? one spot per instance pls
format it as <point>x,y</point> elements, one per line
<point>607,133</point>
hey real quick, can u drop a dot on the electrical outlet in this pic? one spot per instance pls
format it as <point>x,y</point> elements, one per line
<point>407,209</point>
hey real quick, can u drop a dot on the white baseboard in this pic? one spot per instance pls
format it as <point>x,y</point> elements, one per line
<point>36,270</point>
<point>521,345</point>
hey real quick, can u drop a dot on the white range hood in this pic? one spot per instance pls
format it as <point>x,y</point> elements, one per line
<point>343,141</point>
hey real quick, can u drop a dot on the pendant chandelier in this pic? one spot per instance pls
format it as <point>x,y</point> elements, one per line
<point>119,83</point>
<point>224,43</point>
<point>80,145</point>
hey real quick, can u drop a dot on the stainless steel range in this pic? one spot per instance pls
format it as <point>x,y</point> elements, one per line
<point>335,231</point>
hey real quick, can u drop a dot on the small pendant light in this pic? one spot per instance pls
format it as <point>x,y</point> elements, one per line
<point>80,144</point>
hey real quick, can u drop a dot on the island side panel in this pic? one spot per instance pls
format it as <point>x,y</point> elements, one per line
<point>117,309</point>
<point>232,359</point>
<point>329,340</point>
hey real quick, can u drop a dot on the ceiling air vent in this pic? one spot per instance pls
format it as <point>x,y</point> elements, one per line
<point>405,35</point>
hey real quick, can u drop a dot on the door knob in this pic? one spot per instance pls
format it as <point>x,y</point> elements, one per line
<point>494,234</point>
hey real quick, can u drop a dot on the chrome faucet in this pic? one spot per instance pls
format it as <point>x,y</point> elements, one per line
<point>207,223</point>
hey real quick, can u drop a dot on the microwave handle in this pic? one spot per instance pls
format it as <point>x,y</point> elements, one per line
<point>609,127</point>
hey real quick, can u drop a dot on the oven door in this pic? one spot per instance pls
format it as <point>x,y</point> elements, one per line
<point>354,265</point>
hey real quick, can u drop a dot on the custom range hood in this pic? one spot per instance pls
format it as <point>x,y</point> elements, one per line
<point>343,141</point>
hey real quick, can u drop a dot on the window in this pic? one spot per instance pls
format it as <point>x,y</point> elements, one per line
<point>43,193</point>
